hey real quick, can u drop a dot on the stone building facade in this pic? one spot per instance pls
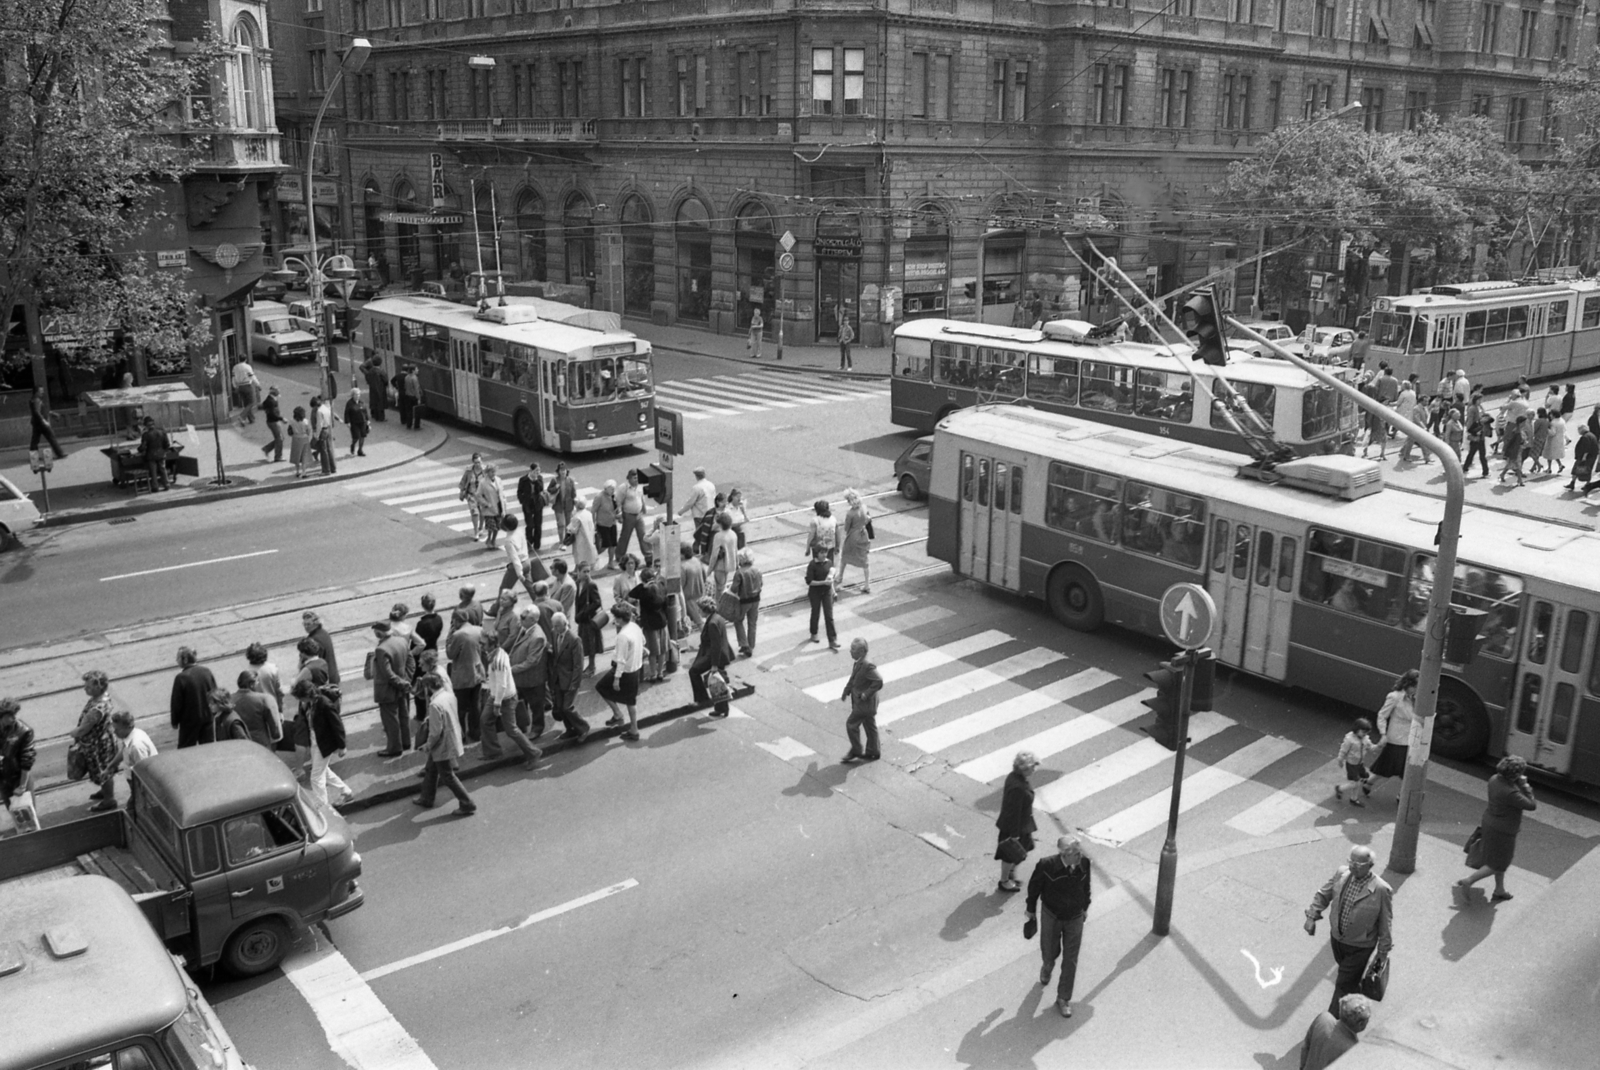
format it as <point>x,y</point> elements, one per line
<point>923,157</point>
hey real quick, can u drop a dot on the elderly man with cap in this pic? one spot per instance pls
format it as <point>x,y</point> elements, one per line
<point>1360,923</point>
<point>566,673</point>
<point>272,412</point>
<point>702,496</point>
<point>392,673</point>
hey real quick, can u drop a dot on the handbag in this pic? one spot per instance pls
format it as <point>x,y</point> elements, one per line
<point>77,765</point>
<point>728,604</point>
<point>1030,929</point>
<point>717,685</point>
<point>1474,848</point>
<point>870,533</point>
<point>1011,850</point>
<point>1375,981</point>
<point>536,572</point>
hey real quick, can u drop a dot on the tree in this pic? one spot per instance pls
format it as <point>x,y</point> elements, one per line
<point>91,100</point>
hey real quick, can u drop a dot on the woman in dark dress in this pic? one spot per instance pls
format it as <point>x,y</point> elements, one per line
<point>1016,815</point>
<point>1509,795</point>
<point>430,626</point>
<point>714,654</point>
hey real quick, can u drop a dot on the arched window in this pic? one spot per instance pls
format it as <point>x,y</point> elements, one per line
<point>372,225</point>
<point>638,256</point>
<point>753,248</point>
<point>487,231</point>
<point>248,92</point>
<point>531,239</point>
<point>577,225</point>
<point>927,277</point>
<point>692,231</point>
<point>406,235</point>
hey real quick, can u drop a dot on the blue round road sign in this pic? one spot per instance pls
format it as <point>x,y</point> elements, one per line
<point>1188,615</point>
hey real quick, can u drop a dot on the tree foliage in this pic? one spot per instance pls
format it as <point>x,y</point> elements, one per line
<point>91,100</point>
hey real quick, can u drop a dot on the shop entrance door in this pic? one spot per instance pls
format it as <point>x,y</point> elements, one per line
<point>838,296</point>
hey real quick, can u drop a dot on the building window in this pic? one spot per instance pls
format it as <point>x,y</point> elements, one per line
<point>358,15</point>
<point>1416,107</point>
<point>480,89</point>
<point>399,95</point>
<point>570,75</point>
<point>1319,97</point>
<point>366,96</point>
<point>635,86</point>
<point>1482,104</point>
<point>1516,119</point>
<point>1176,96</point>
<point>1236,101</point>
<point>1244,11</point>
<point>433,9</point>
<point>397,12</point>
<point>249,96</point>
<point>929,89</point>
<point>438,87</point>
<point>1322,18</point>
<point>1372,109</point>
<point>999,89</point>
<point>1563,41</point>
<point>313,7</point>
<point>1489,29</point>
<point>1550,123</point>
<point>1274,103</point>
<point>1181,7</point>
<point>1281,23</point>
<point>475,9</point>
<point>822,81</point>
<point>855,81</point>
<point>317,59</point>
<point>693,85</point>
<point>1527,32</point>
<point>1110,94</point>
<point>755,75</point>
<point>524,80</point>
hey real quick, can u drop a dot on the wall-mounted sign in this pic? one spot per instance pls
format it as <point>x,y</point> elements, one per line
<point>171,258</point>
<point>837,247</point>
<point>436,177</point>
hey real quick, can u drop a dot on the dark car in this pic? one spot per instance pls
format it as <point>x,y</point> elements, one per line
<point>914,468</point>
<point>270,286</point>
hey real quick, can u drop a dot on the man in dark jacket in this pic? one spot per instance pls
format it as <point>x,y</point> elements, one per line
<point>272,412</point>
<point>258,710</point>
<point>377,386</point>
<point>862,692</point>
<point>319,635</point>
<point>155,445</point>
<point>191,688</point>
<point>1062,881</point>
<point>16,751</point>
<point>530,495</point>
<point>566,673</point>
<point>391,688</point>
<point>530,669</point>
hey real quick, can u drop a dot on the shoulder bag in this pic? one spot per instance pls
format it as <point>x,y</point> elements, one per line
<point>1375,981</point>
<point>870,533</point>
<point>77,765</point>
<point>1011,850</point>
<point>1474,848</point>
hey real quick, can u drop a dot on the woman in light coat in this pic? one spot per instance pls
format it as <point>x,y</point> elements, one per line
<point>1555,444</point>
<point>856,543</point>
<point>1394,729</point>
<point>581,529</point>
<point>491,502</point>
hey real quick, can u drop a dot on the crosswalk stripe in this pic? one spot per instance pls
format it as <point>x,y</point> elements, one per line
<point>1113,769</point>
<point>406,499</point>
<point>453,514</point>
<point>782,390</point>
<point>936,695</point>
<point>757,395</point>
<point>922,661</point>
<point>426,473</point>
<point>1016,708</point>
<point>850,627</point>
<point>1271,814</point>
<point>1053,740</point>
<point>831,392</point>
<point>679,392</point>
<point>1206,783</point>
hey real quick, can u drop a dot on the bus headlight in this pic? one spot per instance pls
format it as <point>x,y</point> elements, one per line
<point>641,419</point>
<point>589,426</point>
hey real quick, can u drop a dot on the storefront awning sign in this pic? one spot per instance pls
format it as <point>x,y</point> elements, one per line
<point>421,219</point>
<point>137,396</point>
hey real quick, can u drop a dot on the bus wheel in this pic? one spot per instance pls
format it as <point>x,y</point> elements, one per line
<point>1460,723</point>
<point>256,947</point>
<point>527,430</point>
<point>1074,597</point>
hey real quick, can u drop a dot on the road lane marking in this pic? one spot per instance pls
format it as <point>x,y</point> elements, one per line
<point>359,1028</point>
<point>190,564</point>
<point>491,934</point>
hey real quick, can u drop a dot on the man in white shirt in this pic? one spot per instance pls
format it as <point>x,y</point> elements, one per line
<point>702,497</point>
<point>621,684</point>
<point>246,388</point>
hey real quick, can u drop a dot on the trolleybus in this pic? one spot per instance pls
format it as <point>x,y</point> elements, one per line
<point>1497,332</point>
<point>1312,590</point>
<point>944,365</point>
<point>550,384</point>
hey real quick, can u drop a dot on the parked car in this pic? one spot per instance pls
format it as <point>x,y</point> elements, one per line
<point>305,317</point>
<point>914,468</point>
<point>276,336</point>
<point>17,511</point>
<point>270,286</point>
<point>1329,345</point>
<point>1273,330</point>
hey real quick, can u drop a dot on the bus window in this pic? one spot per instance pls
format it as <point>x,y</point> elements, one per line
<point>1163,524</point>
<point>1083,502</point>
<point>1594,666</point>
<point>1561,714</point>
<point>1591,313</point>
<point>1419,335</point>
<point>1016,490</point>
<point>1286,556</point>
<point>966,477</point>
<point>1555,319</point>
<point>1107,386</point>
<point>1319,412</point>
<point>1163,395</point>
<point>1539,632</point>
<point>1475,328</point>
<point>1353,575</point>
<point>1496,330</point>
<point>1259,396</point>
<point>911,358</point>
<point>983,482</point>
<point>1052,379</point>
<point>491,362</point>
<point>1000,372</point>
<point>521,368</point>
<point>1516,322</point>
<point>1497,594</point>
<point>1572,645</point>
<point>952,363</point>
<point>633,375</point>
<point>1219,546</point>
<point>1001,484</point>
<point>1241,551</point>
<point>1528,708</point>
<point>424,342</point>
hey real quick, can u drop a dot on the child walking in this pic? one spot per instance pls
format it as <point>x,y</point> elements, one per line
<point>1353,754</point>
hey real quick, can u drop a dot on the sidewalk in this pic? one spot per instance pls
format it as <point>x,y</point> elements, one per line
<point>81,489</point>
<point>868,362</point>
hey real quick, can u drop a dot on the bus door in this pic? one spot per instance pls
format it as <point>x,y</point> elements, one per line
<point>1550,680</point>
<point>552,383</point>
<point>1252,579</point>
<point>990,538</point>
<point>464,378</point>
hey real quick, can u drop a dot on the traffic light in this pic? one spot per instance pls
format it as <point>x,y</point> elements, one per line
<point>1168,682</point>
<point>654,481</point>
<point>1204,328</point>
<point>1204,668</point>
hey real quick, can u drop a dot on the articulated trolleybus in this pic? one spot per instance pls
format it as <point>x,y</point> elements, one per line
<point>565,388</point>
<point>1321,589</point>
<point>944,365</point>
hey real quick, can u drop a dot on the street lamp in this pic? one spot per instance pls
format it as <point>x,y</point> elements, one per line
<point>1261,232</point>
<point>354,58</point>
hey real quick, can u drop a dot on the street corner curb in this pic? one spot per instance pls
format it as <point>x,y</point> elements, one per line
<point>770,365</point>
<point>409,788</point>
<point>61,520</point>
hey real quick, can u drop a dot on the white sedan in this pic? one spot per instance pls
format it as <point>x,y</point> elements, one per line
<point>1329,345</point>
<point>17,511</point>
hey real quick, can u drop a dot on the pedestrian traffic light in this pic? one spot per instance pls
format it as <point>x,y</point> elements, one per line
<point>654,481</point>
<point>1203,663</point>
<point>1204,328</point>
<point>1168,682</point>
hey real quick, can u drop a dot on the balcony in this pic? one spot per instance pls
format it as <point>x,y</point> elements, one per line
<point>225,150</point>
<point>504,130</point>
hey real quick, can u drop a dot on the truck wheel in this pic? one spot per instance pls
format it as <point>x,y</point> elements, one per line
<point>527,431</point>
<point>1074,598</point>
<point>256,947</point>
<point>272,358</point>
<point>1460,723</point>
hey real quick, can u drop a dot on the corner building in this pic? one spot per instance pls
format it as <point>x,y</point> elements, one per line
<point>926,156</point>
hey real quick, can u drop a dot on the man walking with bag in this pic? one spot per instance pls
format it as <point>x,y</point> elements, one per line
<point>1361,921</point>
<point>1062,882</point>
<point>861,691</point>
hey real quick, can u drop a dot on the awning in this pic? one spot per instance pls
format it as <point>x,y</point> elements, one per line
<point>135,396</point>
<point>420,219</point>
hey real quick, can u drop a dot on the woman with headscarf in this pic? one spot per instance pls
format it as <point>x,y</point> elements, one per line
<point>358,421</point>
<point>95,742</point>
<point>606,509</point>
<point>1016,816</point>
<point>1509,795</point>
<point>580,532</point>
<point>857,543</point>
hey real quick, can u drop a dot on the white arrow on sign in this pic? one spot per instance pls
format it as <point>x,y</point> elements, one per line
<point>1187,611</point>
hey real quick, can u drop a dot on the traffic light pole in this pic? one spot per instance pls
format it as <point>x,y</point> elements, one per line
<point>1167,876</point>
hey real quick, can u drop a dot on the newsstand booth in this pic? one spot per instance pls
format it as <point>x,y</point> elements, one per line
<point>172,404</point>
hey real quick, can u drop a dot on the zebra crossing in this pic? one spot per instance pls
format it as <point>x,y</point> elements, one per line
<point>430,490</point>
<point>735,395</point>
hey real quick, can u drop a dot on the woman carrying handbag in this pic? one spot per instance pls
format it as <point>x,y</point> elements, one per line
<point>711,659</point>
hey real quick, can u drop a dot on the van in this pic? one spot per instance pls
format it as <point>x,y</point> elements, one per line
<point>275,337</point>
<point>305,316</point>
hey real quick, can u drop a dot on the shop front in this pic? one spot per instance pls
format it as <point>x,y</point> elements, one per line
<point>692,237</point>
<point>577,240</point>
<point>638,256</point>
<point>837,250</point>
<point>1004,253</point>
<point>755,249</point>
<point>927,266</point>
